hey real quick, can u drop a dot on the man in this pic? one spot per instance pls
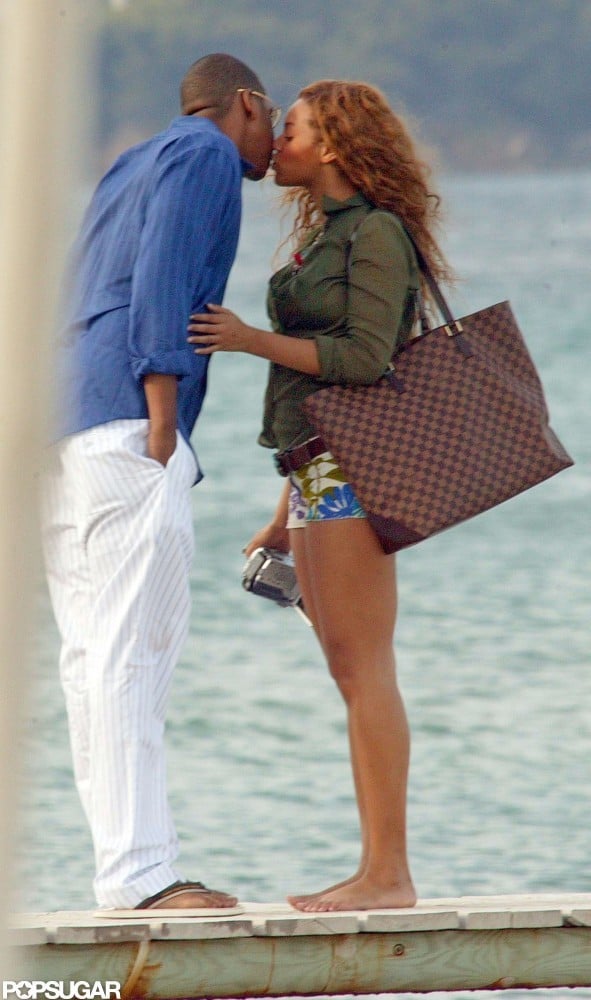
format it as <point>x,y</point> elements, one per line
<point>157,244</point>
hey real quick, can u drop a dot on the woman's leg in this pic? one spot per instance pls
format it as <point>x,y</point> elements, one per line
<point>351,592</point>
<point>304,572</point>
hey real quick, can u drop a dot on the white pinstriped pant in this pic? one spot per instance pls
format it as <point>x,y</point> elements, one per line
<point>118,544</point>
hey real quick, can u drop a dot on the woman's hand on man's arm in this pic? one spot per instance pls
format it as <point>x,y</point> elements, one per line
<point>219,329</point>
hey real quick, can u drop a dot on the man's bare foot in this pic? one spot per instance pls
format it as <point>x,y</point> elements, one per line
<point>361,894</point>
<point>187,896</point>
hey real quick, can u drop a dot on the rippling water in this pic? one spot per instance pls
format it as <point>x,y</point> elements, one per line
<point>493,638</point>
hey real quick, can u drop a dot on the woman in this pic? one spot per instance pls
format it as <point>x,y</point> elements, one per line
<point>338,310</point>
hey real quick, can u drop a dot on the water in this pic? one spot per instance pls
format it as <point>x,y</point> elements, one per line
<point>493,641</point>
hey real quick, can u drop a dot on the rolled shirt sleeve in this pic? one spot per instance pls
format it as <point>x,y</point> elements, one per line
<point>381,270</point>
<point>175,265</point>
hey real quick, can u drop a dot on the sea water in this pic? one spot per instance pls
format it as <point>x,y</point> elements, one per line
<point>493,641</point>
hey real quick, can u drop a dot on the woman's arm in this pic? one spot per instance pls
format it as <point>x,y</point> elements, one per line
<point>275,534</point>
<point>221,330</point>
<point>381,274</point>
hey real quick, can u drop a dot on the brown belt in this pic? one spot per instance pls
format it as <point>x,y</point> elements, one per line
<point>293,459</point>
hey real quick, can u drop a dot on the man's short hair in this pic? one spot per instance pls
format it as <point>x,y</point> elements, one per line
<point>211,83</point>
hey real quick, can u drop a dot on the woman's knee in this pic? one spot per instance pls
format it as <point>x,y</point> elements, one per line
<point>353,664</point>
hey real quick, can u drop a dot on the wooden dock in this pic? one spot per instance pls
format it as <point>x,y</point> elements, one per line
<point>469,943</point>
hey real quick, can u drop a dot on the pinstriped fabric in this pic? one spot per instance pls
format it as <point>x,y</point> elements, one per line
<point>118,543</point>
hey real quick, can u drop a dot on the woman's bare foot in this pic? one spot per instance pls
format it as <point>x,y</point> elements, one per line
<point>296,900</point>
<point>361,894</point>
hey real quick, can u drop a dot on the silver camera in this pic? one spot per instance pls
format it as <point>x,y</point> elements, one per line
<point>271,574</point>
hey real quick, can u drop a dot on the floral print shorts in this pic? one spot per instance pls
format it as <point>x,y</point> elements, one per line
<point>319,492</point>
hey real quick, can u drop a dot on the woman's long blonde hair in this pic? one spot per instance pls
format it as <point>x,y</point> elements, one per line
<point>377,154</point>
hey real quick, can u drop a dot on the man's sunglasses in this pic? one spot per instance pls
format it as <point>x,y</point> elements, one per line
<point>274,111</point>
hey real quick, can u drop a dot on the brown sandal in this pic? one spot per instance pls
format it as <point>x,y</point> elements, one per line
<point>177,889</point>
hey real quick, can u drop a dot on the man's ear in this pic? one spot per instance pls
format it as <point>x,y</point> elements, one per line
<point>247,103</point>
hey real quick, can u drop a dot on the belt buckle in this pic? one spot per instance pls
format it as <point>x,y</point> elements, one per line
<point>305,453</point>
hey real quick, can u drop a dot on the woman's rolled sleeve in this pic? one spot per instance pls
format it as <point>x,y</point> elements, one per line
<point>381,271</point>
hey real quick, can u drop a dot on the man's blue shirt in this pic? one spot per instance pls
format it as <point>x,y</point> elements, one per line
<point>156,244</point>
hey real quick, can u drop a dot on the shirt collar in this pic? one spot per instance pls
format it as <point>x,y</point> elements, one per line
<point>190,122</point>
<point>330,206</point>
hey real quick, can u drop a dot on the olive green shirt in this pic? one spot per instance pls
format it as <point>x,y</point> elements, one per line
<point>352,289</point>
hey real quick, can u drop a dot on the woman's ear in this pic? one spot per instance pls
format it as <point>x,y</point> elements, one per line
<point>327,155</point>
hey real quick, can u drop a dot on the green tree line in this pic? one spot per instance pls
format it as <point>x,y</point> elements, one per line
<point>491,84</point>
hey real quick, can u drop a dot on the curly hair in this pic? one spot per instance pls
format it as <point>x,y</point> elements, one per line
<point>376,153</point>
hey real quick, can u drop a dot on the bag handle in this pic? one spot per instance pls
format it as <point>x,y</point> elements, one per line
<point>453,326</point>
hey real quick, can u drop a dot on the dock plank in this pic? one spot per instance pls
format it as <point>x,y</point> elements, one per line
<point>579,918</point>
<point>202,930</point>
<point>421,919</point>
<point>310,924</point>
<point>467,943</point>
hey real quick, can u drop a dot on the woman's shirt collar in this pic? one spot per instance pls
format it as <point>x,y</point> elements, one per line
<point>330,206</point>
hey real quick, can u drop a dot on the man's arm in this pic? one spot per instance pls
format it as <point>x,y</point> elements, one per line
<point>181,226</point>
<point>173,267</point>
<point>161,392</point>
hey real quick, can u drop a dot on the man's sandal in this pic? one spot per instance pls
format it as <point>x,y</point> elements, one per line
<point>169,902</point>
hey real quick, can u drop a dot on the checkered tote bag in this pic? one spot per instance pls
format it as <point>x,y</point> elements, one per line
<point>457,426</point>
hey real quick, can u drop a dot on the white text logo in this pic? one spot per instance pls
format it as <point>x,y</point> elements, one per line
<point>31,989</point>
